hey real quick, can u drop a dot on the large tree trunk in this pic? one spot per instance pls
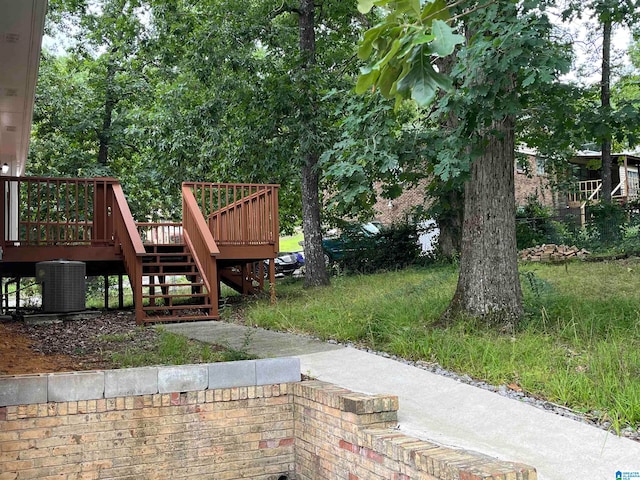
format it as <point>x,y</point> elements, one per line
<point>315,269</point>
<point>104,136</point>
<point>605,99</point>
<point>450,224</point>
<point>489,286</point>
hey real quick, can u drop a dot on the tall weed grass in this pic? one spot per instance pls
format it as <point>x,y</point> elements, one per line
<point>578,345</point>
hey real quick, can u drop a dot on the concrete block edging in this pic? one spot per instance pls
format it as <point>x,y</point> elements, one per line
<point>95,385</point>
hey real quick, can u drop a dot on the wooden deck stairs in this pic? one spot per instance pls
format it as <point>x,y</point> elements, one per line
<point>174,269</point>
<point>172,286</point>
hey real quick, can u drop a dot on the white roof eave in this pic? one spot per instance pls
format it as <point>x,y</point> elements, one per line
<point>21,30</point>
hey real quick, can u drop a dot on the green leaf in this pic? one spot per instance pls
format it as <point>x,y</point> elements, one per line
<point>395,46</point>
<point>370,36</point>
<point>367,80</point>
<point>445,41</point>
<point>423,81</point>
<point>436,10</point>
<point>388,76</point>
<point>529,80</point>
<point>422,38</point>
<point>365,6</point>
<point>415,6</point>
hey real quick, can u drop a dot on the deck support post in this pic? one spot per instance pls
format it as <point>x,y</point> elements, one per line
<point>106,292</point>
<point>120,292</point>
<point>18,280</point>
<point>272,281</point>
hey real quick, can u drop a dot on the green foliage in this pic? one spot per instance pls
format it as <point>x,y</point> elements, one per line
<point>533,224</point>
<point>405,42</point>
<point>395,247</point>
<point>616,120</point>
<point>610,229</point>
<point>537,225</point>
<point>607,222</point>
<point>375,148</point>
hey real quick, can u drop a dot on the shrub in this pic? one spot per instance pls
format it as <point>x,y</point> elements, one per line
<point>607,223</point>
<point>395,247</point>
<point>534,225</point>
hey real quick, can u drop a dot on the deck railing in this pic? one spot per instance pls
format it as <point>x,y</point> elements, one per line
<point>239,214</point>
<point>160,233</point>
<point>201,244</point>
<point>127,236</point>
<point>55,211</point>
<point>590,190</point>
<point>587,190</point>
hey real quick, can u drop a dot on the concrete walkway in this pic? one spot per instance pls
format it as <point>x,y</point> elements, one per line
<point>442,410</point>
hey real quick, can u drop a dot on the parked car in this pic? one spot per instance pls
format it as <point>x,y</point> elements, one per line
<point>349,240</point>
<point>287,262</point>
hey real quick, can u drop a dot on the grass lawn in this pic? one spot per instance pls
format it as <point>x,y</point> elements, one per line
<point>291,243</point>
<point>579,344</point>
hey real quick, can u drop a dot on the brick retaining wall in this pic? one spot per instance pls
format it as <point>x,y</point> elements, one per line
<point>251,420</point>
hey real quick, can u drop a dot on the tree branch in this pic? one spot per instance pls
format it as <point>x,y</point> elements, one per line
<point>283,8</point>
<point>471,10</point>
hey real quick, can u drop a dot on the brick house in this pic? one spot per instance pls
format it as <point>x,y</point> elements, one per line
<point>532,181</point>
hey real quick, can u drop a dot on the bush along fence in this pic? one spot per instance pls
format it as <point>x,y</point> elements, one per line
<point>251,419</point>
<point>609,228</point>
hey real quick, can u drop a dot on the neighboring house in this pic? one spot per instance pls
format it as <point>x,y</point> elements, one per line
<point>624,178</point>
<point>531,181</point>
<point>399,209</point>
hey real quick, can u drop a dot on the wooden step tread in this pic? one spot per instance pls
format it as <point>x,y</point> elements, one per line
<point>176,294</point>
<point>185,263</point>
<point>171,271</point>
<point>170,308</point>
<point>185,318</point>
<point>190,284</point>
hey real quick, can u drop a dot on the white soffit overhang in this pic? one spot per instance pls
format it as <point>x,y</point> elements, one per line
<point>21,29</point>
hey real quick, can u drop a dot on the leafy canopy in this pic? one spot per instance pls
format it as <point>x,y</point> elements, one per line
<point>404,43</point>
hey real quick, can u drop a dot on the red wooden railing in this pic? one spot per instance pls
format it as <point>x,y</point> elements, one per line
<point>239,214</point>
<point>127,236</point>
<point>201,244</point>
<point>160,233</point>
<point>55,211</point>
<point>84,213</point>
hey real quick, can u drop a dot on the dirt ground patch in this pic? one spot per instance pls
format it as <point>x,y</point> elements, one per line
<point>70,345</point>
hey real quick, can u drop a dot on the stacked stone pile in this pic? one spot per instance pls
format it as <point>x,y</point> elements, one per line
<point>552,253</point>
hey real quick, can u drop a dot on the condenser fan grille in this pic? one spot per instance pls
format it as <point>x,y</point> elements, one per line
<point>63,285</point>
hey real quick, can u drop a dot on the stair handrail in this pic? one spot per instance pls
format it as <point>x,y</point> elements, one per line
<point>230,209</point>
<point>127,236</point>
<point>615,190</point>
<point>199,240</point>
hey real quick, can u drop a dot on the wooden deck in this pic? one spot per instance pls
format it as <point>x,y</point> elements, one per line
<point>174,269</point>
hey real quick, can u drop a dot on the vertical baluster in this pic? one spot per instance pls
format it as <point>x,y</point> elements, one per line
<point>71,224</point>
<point>56,218</point>
<point>81,219</point>
<point>217,234</point>
<point>38,214</point>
